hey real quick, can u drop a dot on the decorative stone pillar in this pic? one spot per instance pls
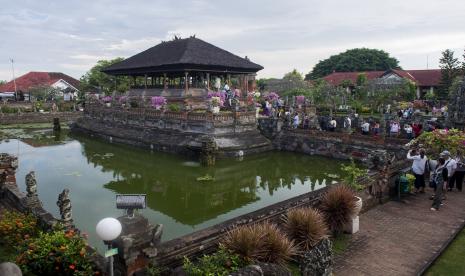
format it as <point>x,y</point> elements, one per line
<point>64,204</point>
<point>208,152</point>
<point>56,124</point>
<point>318,260</point>
<point>137,244</point>
<point>31,184</point>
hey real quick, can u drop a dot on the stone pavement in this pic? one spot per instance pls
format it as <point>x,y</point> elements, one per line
<point>400,238</point>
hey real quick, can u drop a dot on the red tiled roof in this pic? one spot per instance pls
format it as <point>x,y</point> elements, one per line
<point>428,77</point>
<point>337,78</point>
<point>34,79</point>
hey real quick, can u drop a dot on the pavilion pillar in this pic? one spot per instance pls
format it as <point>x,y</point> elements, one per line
<point>229,79</point>
<point>151,79</point>
<point>208,81</point>
<point>186,82</point>
<point>116,84</point>
<point>165,84</point>
<point>134,80</point>
<point>145,82</point>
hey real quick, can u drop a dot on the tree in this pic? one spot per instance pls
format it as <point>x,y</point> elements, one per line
<point>2,82</point>
<point>96,79</point>
<point>354,60</point>
<point>449,70</point>
<point>294,75</point>
<point>362,79</point>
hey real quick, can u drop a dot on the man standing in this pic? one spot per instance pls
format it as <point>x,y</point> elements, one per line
<point>451,166</point>
<point>366,128</point>
<point>418,168</point>
<point>332,125</point>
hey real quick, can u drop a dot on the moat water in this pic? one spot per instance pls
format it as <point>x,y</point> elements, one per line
<point>95,171</point>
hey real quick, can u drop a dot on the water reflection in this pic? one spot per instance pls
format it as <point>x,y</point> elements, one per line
<point>94,171</point>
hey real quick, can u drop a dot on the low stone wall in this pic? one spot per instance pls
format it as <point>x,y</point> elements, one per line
<point>36,117</point>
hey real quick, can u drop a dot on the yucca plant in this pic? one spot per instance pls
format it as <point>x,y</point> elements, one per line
<point>277,247</point>
<point>306,226</point>
<point>338,207</point>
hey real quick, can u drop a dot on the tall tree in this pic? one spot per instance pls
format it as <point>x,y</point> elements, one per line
<point>95,79</point>
<point>294,75</point>
<point>450,68</point>
<point>2,82</point>
<point>354,60</point>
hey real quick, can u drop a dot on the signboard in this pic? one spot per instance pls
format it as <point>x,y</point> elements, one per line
<point>111,252</point>
<point>134,201</point>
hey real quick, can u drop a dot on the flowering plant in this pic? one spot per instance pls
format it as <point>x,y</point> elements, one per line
<point>272,97</point>
<point>300,100</point>
<point>123,99</point>
<point>56,253</point>
<point>16,228</point>
<point>107,99</point>
<point>158,102</point>
<point>439,140</point>
<point>217,102</point>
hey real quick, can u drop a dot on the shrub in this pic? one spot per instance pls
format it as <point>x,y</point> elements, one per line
<point>56,253</point>
<point>306,226</point>
<point>352,173</point>
<point>338,206</point>
<point>277,248</point>
<point>221,262</point>
<point>260,243</point>
<point>246,241</point>
<point>17,228</point>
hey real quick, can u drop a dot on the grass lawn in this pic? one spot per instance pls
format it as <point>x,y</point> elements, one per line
<point>452,261</point>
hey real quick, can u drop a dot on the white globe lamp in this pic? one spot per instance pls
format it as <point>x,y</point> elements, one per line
<point>108,229</point>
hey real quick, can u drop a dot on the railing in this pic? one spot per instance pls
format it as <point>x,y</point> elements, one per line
<point>143,114</point>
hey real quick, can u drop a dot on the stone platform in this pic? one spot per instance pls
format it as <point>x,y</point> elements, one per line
<point>234,133</point>
<point>402,238</point>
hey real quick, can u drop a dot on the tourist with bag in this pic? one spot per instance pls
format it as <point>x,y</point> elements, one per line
<point>451,165</point>
<point>440,178</point>
<point>418,168</point>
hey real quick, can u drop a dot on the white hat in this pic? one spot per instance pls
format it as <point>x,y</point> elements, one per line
<point>445,153</point>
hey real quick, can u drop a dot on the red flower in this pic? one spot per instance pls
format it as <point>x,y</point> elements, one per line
<point>72,266</point>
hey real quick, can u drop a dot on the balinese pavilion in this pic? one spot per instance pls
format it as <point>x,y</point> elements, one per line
<point>186,69</point>
<point>210,88</point>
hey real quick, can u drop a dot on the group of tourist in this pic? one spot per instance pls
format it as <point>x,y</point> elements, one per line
<point>445,174</point>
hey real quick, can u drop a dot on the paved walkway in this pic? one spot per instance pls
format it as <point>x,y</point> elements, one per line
<point>400,238</point>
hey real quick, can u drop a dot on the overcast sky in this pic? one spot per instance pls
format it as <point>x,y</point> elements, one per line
<point>70,36</point>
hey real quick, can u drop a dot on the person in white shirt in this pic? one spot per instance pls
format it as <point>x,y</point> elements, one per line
<point>296,121</point>
<point>366,128</point>
<point>394,129</point>
<point>408,130</point>
<point>332,125</point>
<point>418,168</point>
<point>451,166</point>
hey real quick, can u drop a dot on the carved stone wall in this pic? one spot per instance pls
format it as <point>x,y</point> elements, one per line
<point>36,117</point>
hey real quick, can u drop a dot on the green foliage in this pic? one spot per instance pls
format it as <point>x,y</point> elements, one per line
<point>306,226</point>
<point>354,60</point>
<point>451,260</point>
<point>351,174</point>
<point>17,228</point>
<point>222,262</point>
<point>439,140</point>
<point>45,93</point>
<point>96,79</point>
<point>362,79</point>
<point>8,109</point>
<point>174,107</point>
<point>340,243</point>
<point>2,82</point>
<point>56,253</point>
<point>294,75</point>
<point>449,71</point>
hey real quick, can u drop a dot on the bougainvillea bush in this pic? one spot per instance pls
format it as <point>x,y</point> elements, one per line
<point>439,140</point>
<point>217,98</point>
<point>16,228</point>
<point>107,99</point>
<point>300,100</point>
<point>272,97</point>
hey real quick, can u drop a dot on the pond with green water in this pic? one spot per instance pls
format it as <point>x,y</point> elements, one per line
<point>181,194</point>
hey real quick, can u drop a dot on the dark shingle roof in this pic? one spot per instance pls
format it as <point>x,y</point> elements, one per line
<point>183,54</point>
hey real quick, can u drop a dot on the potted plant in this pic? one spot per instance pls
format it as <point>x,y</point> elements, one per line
<point>215,103</point>
<point>107,100</point>
<point>352,173</point>
<point>158,102</point>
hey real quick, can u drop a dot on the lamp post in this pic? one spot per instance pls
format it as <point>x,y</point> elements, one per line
<point>109,229</point>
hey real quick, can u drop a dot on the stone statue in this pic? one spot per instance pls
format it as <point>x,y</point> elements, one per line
<point>64,204</point>
<point>31,184</point>
<point>208,152</point>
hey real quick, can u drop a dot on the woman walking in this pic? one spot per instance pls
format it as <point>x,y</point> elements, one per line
<point>440,178</point>
<point>418,168</point>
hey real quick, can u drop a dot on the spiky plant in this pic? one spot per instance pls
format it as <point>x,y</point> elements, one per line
<point>246,241</point>
<point>277,247</point>
<point>306,226</point>
<point>338,207</point>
